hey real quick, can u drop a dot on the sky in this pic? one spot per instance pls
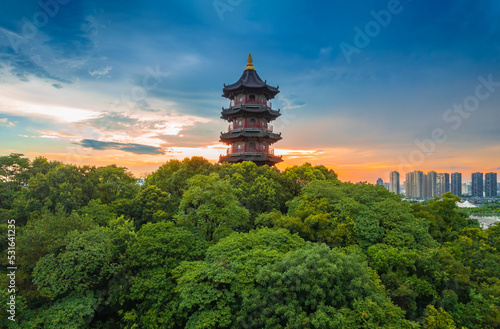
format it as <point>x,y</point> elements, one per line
<point>367,87</point>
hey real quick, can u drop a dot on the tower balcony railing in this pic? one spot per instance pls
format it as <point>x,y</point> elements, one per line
<point>246,100</point>
<point>246,149</point>
<point>248,125</point>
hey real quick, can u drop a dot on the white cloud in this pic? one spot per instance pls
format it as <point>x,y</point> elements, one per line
<point>6,122</point>
<point>54,112</point>
<point>55,134</point>
<point>100,71</point>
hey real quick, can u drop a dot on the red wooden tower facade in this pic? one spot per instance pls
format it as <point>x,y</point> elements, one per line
<point>249,114</point>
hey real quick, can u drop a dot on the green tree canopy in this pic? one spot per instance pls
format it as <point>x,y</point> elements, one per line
<point>210,208</point>
<point>271,279</point>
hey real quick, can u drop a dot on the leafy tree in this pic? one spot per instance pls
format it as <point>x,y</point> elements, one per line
<point>47,235</point>
<point>151,205</point>
<point>481,312</point>
<point>99,213</point>
<point>210,208</point>
<point>297,177</point>
<point>259,189</point>
<point>115,183</point>
<point>270,279</point>
<point>77,277</point>
<point>13,175</point>
<point>472,249</point>
<point>321,288</point>
<point>13,169</point>
<point>438,319</point>
<point>75,311</point>
<point>494,236</point>
<point>85,264</point>
<point>445,218</point>
<point>41,165</point>
<point>173,176</point>
<point>61,185</point>
<point>211,290</point>
<point>150,300</point>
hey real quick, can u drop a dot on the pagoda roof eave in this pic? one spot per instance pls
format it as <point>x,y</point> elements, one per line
<point>251,110</point>
<point>250,80</point>
<point>259,159</point>
<point>245,133</point>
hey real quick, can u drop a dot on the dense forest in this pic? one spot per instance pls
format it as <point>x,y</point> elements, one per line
<point>202,245</point>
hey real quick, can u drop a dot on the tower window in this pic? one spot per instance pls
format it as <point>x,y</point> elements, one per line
<point>251,98</point>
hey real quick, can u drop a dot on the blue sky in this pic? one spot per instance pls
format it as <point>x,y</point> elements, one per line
<point>138,83</point>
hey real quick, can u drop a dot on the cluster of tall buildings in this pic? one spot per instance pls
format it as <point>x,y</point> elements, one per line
<point>419,185</point>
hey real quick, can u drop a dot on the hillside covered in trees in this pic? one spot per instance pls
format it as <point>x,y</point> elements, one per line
<point>202,245</point>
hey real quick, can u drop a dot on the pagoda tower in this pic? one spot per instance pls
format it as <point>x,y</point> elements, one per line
<point>249,134</point>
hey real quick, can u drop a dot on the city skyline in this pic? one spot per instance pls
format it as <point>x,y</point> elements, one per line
<point>420,185</point>
<point>366,88</point>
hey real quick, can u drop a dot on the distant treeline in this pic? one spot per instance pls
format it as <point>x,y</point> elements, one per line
<point>202,245</point>
<point>486,208</point>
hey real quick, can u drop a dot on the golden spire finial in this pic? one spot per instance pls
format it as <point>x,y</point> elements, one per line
<point>249,63</point>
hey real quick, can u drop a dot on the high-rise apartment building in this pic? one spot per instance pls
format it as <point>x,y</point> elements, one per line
<point>430,185</point>
<point>380,182</point>
<point>456,184</point>
<point>414,185</point>
<point>490,185</point>
<point>442,183</point>
<point>407,184</point>
<point>477,184</point>
<point>394,182</point>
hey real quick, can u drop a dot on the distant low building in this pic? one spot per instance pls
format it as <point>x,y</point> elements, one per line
<point>465,204</point>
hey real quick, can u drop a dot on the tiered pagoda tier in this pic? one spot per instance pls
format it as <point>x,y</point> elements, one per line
<point>249,114</point>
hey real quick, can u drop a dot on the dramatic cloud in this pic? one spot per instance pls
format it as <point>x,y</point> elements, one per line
<point>112,121</point>
<point>197,135</point>
<point>132,148</point>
